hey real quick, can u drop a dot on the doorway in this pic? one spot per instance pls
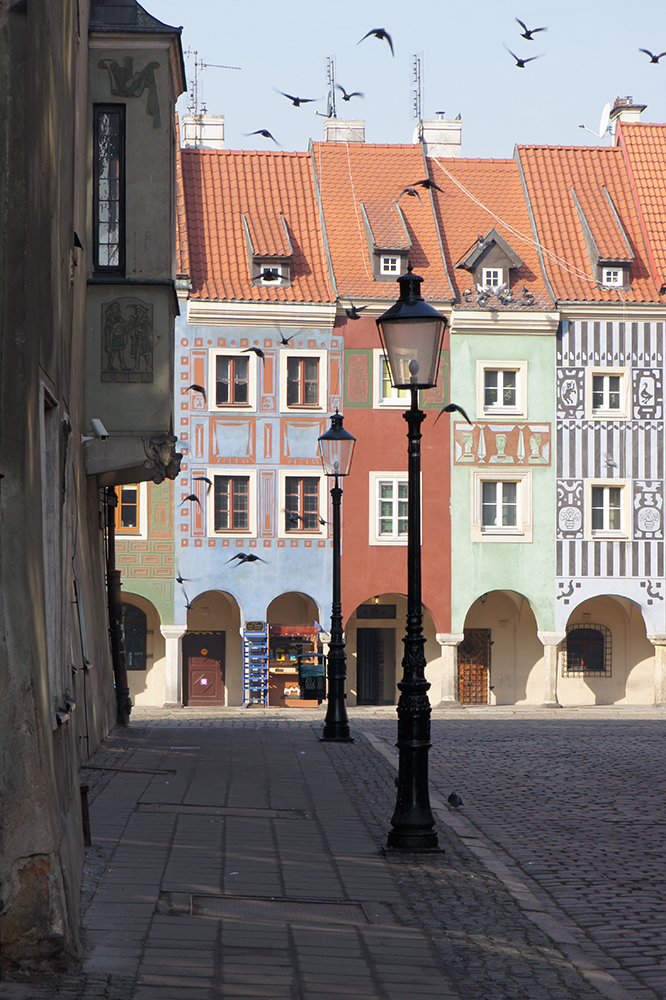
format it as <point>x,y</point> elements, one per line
<point>474,667</point>
<point>369,666</point>
<point>203,668</point>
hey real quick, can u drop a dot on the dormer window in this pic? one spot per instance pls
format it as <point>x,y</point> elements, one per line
<point>271,275</point>
<point>388,239</point>
<point>612,277</point>
<point>492,277</point>
<point>269,250</point>
<point>491,260</point>
<point>390,265</point>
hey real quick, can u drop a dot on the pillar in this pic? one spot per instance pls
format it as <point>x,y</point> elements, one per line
<point>449,643</point>
<point>173,650</point>
<point>551,642</point>
<point>658,640</point>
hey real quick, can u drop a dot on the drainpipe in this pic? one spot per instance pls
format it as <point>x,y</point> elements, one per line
<point>116,628</point>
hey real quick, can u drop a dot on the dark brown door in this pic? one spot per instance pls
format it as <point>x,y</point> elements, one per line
<point>369,666</point>
<point>203,668</point>
<point>474,667</point>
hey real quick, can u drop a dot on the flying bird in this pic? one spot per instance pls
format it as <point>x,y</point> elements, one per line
<point>255,350</point>
<point>653,57</point>
<point>450,409</point>
<point>354,311</point>
<point>379,33</point>
<point>412,192</point>
<point>244,557</point>
<point>528,32</point>
<point>192,496</point>
<point>266,134</point>
<point>197,388</point>
<point>427,184</point>
<point>454,800</point>
<point>203,479</point>
<point>354,93</point>
<point>286,340</point>
<point>520,63</point>
<point>297,101</point>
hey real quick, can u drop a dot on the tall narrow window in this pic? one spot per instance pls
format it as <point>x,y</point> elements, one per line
<point>301,503</point>
<point>127,511</point>
<point>232,503</point>
<point>109,187</point>
<point>302,381</point>
<point>136,631</point>
<point>392,506</point>
<point>231,381</point>
<point>499,504</point>
<point>606,508</point>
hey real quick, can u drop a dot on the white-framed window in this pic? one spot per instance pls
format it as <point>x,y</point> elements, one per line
<point>388,494</point>
<point>389,264</point>
<point>607,393</point>
<point>303,503</point>
<point>501,506</point>
<point>132,510</point>
<point>607,510</point>
<point>233,380</point>
<point>303,380</point>
<point>271,274</point>
<point>384,393</point>
<point>492,277</point>
<point>232,502</point>
<point>612,277</point>
<point>501,388</point>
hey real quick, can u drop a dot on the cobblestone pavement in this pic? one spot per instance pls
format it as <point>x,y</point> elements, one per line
<point>550,884</point>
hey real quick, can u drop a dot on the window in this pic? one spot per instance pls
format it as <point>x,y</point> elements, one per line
<point>390,265</point>
<point>231,503</point>
<point>136,632</point>
<point>501,388</point>
<point>392,505</point>
<point>231,380</point>
<point>128,515</point>
<point>109,188</point>
<point>492,277</point>
<point>301,503</point>
<point>384,393</point>
<point>501,507</point>
<point>302,381</point>
<point>606,513</point>
<point>613,277</point>
<point>587,651</point>
<point>271,275</point>
<point>607,391</point>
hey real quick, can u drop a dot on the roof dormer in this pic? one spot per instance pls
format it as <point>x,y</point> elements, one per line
<point>388,239</point>
<point>606,241</point>
<point>491,260</point>
<point>270,254</point>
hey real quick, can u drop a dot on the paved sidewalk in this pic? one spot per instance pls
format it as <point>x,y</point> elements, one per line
<point>235,856</point>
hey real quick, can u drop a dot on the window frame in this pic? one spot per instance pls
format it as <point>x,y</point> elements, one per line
<point>607,654</point>
<point>501,280</point>
<point>232,353</point>
<point>99,268</point>
<point>520,409</point>
<point>522,530</point>
<point>622,533</point>
<point>322,395</point>
<point>302,472</point>
<point>232,472</point>
<point>142,512</point>
<point>375,477</point>
<point>624,411</point>
<point>380,401</point>
<point>617,269</point>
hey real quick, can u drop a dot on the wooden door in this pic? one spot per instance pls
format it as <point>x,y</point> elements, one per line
<point>369,666</point>
<point>203,668</point>
<point>474,667</point>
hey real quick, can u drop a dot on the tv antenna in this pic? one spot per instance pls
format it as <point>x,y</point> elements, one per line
<point>330,79</point>
<point>604,126</point>
<point>417,111</point>
<point>197,109</point>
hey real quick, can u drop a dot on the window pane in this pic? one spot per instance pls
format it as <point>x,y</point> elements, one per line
<point>614,509</point>
<point>489,504</point>
<point>222,381</point>
<point>597,392</point>
<point>293,381</point>
<point>240,380</point>
<point>509,390</point>
<point>129,507</point>
<point>221,503</point>
<point>311,386</point>
<point>509,505</point>
<point>490,388</point>
<point>241,503</point>
<point>613,392</point>
<point>597,508</point>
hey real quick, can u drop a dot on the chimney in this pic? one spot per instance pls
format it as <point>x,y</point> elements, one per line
<point>439,136</point>
<point>203,131</point>
<point>344,130</point>
<point>624,110</point>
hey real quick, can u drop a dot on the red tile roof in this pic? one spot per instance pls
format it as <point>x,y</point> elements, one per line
<point>182,244</point>
<point>350,175</point>
<point>644,148</point>
<point>219,188</point>
<point>558,180</point>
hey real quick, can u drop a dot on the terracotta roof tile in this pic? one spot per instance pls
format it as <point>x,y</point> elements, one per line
<point>644,148</point>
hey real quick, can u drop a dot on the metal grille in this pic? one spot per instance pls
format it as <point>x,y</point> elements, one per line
<point>474,667</point>
<point>587,651</point>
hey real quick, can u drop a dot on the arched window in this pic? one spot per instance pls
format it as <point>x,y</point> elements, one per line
<point>136,631</point>
<point>587,651</point>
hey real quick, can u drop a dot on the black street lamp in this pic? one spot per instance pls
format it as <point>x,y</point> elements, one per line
<point>336,448</point>
<point>411,333</point>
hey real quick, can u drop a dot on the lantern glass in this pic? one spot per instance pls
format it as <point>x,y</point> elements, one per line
<point>336,448</point>
<point>411,333</point>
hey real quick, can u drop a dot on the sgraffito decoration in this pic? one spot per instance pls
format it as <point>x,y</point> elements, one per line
<point>128,338</point>
<point>126,82</point>
<point>502,444</point>
<point>570,508</point>
<point>648,507</point>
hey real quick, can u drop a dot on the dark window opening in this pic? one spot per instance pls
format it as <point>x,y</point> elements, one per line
<point>109,188</point>
<point>587,650</point>
<point>136,632</point>
<point>231,381</point>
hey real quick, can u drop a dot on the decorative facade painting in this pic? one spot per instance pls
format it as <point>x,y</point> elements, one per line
<point>126,82</point>
<point>128,339</point>
<point>502,444</point>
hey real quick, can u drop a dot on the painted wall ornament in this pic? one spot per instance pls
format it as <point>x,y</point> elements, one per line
<point>126,82</point>
<point>128,339</point>
<point>570,508</point>
<point>648,506</point>
<point>502,444</point>
<point>648,394</point>
<point>570,389</point>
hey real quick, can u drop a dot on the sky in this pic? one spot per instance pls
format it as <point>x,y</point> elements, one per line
<point>587,57</point>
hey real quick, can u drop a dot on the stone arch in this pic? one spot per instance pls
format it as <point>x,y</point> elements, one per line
<point>148,686</point>
<point>217,612</point>
<point>293,608</point>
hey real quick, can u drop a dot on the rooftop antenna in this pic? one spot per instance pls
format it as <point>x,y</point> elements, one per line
<point>417,111</point>
<point>330,79</point>
<point>604,126</point>
<point>196,108</point>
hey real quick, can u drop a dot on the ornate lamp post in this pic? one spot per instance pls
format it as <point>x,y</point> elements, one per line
<point>411,334</point>
<point>336,448</point>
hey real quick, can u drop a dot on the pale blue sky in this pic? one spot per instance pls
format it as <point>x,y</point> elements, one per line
<point>590,56</point>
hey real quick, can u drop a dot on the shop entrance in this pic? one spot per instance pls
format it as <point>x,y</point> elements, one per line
<point>203,668</point>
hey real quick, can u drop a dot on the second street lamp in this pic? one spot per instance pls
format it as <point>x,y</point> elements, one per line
<point>411,333</point>
<point>336,448</point>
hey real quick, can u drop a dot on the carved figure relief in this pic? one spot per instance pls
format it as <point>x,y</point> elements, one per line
<point>125,82</point>
<point>502,444</point>
<point>128,339</point>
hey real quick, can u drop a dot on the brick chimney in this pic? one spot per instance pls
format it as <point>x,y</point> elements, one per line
<point>440,136</point>
<point>203,131</point>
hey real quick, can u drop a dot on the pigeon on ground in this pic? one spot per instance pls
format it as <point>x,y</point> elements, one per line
<point>454,800</point>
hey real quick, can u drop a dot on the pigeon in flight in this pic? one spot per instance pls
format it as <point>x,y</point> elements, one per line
<point>379,33</point>
<point>521,63</point>
<point>653,57</point>
<point>297,101</point>
<point>354,311</point>
<point>244,557</point>
<point>203,479</point>
<point>197,388</point>
<point>454,800</point>
<point>255,350</point>
<point>266,134</point>
<point>427,184</point>
<point>528,32</point>
<point>412,192</point>
<point>354,93</point>
<point>451,408</point>
<point>286,340</point>
<point>192,496</point>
